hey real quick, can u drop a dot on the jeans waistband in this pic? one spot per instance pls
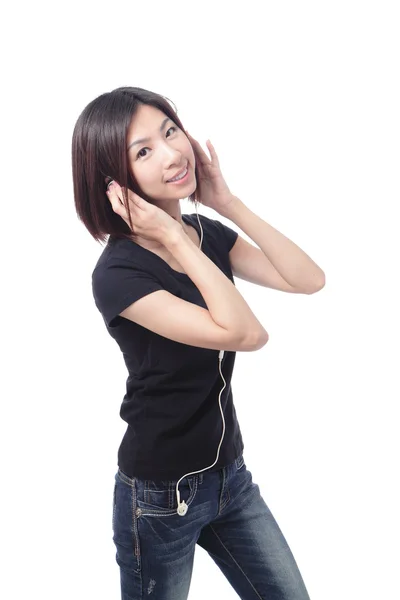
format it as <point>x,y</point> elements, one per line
<point>198,477</point>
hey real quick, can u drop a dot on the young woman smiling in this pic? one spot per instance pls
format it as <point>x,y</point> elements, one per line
<point>164,285</point>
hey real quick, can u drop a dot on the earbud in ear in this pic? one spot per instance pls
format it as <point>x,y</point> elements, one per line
<point>108,180</point>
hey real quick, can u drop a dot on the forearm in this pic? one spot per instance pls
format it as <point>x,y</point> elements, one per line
<point>292,263</point>
<point>226,305</point>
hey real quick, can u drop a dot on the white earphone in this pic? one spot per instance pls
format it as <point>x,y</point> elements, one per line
<point>182,506</point>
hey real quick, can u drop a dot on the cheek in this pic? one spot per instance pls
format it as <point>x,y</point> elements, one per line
<point>143,174</point>
<point>190,154</point>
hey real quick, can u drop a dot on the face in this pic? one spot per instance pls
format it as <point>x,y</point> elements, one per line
<point>161,157</point>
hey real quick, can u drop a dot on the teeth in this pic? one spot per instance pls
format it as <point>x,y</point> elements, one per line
<point>180,176</point>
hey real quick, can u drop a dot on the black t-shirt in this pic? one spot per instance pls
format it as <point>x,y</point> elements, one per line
<point>171,403</point>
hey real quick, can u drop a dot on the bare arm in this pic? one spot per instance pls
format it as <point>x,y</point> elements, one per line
<point>227,307</point>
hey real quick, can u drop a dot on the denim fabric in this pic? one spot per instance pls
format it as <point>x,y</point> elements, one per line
<point>226,516</point>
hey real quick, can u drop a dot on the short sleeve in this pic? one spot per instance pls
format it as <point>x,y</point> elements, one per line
<point>229,234</point>
<point>117,286</point>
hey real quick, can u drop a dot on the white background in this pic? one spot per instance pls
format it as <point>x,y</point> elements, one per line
<point>301,101</point>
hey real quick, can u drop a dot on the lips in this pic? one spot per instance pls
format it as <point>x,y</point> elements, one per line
<point>178,173</point>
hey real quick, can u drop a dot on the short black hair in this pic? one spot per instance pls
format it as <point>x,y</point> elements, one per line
<point>99,154</point>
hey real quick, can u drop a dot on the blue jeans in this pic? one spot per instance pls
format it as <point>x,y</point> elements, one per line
<point>226,516</point>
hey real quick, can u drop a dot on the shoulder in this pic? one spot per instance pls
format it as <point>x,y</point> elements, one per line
<point>119,252</point>
<point>119,265</point>
<point>119,281</point>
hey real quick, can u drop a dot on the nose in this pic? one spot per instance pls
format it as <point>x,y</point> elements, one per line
<point>170,154</point>
<point>172,158</point>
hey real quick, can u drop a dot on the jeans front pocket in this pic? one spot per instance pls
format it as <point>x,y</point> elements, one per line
<point>159,497</point>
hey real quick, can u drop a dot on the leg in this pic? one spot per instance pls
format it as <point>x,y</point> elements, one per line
<point>247,545</point>
<point>155,546</point>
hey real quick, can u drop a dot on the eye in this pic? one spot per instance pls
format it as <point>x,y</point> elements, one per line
<point>145,148</point>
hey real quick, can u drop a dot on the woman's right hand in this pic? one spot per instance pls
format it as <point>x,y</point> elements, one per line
<point>149,221</point>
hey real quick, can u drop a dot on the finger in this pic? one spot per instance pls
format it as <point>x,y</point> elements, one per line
<point>202,156</point>
<point>119,207</point>
<point>116,202</point>
<point>121,195</point>
<point>204,160</point>
<point>121,200</point>
<point>115,189</point>
<point>213,153</point>
<point>112,185</point>
<point>136,201</point>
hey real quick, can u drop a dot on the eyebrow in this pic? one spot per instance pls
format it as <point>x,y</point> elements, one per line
<point>146,139</point>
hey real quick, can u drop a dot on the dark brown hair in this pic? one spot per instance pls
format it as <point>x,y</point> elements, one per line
<point>99,154</point>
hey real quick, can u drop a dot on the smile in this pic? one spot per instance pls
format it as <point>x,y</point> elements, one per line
<point>180,178</point>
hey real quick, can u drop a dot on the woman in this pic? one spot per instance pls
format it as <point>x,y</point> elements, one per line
<point>165,289</point>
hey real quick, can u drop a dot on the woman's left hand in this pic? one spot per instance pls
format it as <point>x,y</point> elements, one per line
<point>212,190</point>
